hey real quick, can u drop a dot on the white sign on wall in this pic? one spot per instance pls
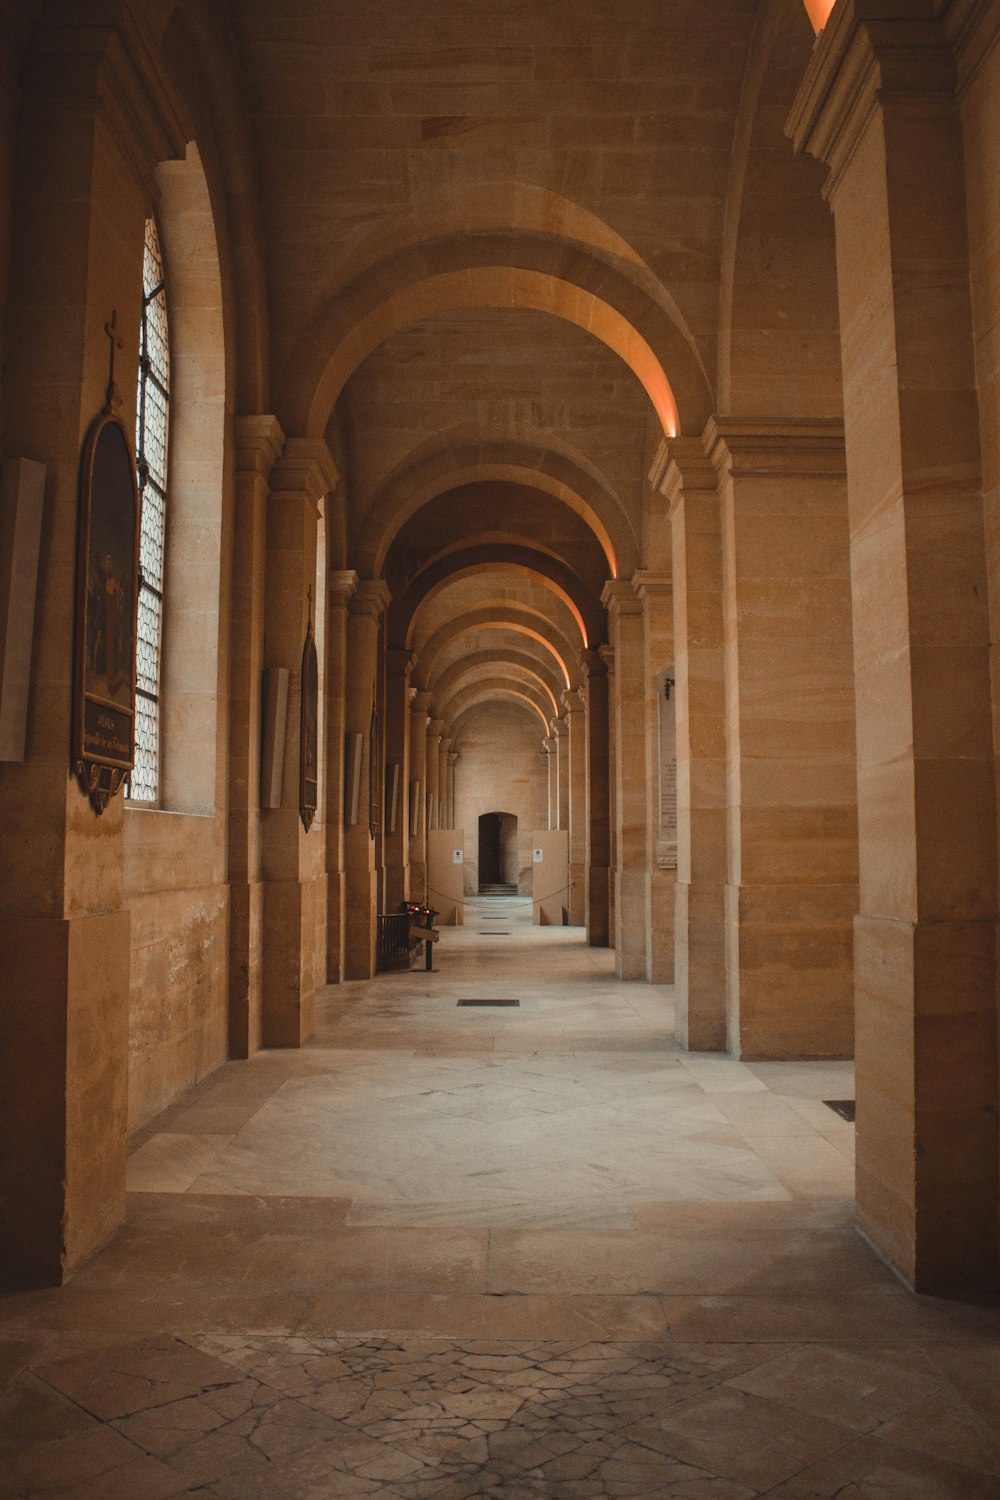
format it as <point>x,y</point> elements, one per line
<point>457,856</point>
<point>538,855</point>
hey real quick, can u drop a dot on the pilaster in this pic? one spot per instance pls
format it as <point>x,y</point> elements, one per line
<point>655,592</point>
<point>576,738</point>
<point>364,622</point>
<point>628,712</point>
<point>419,720</point>
<point>598,800</point>
<point>341,586</point>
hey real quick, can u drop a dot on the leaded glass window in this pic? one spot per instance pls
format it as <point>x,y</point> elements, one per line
<point>152,421</point>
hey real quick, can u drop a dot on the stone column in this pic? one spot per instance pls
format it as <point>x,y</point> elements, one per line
<point>259,441</point>
<point>399,664</point>
<point>689,485</point>
<point>576,738</point>
<point>293,860</point>
<point>361,925</point>
<point>444,820</point>
<point>656,595</point>
<point>559,729</point>
<point>341,584</point>
<point>452,763</point>
<point>552,779</point>
<point>419,720</point>
<point>791,887</point>
<point>598,801</point>
<point>434,729</point>
<point>82,190</point>
<point>608,657</point>
<point>878,106</point>
<point>629,793</point>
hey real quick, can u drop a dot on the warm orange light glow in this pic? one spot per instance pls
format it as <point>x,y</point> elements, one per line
<point>819,12</point>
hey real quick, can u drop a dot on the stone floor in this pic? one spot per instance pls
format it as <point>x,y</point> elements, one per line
<point>460,1252</point>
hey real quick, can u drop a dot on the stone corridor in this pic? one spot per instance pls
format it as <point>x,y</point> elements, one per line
<point>497,1251</point>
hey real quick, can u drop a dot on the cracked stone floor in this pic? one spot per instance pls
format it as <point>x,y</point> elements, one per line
<point>532,1252</point>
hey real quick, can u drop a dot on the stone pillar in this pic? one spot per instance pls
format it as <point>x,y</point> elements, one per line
<point>628,712</point>
<point>689,485</point>
<point>82,191</point>
<point>608,656</point>
<point>445,811</point>
<point>452,763</point>
<point>656,596</point>
<point>419,721</point>
<point>559,729</point>
<point>340,587</point>
<point>259,441</point>
<point>293,860</point>
<point>434,729</point>
<point>878,106</point>
<point>552,780</point>
<point>576,738</point>
<point>399,664</point>
<point>361,925</point>
<point>598,801</point>
<point>791,887</point>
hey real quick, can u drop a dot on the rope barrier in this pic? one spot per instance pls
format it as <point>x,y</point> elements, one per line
<point>516,900</point>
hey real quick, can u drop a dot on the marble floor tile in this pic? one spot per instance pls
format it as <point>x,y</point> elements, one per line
<point>443,1254</point>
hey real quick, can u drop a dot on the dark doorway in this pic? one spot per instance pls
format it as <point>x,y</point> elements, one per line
<point>497,853</point>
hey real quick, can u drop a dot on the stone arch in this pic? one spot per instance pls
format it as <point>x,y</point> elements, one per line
<point>495,268</point>
<point>471,711</point>
<point>779,341</point>
<point>462,459</point>
<point>523,671</point>
<point>489,691</point>
<point>526,561</point>
<point>519,619</point>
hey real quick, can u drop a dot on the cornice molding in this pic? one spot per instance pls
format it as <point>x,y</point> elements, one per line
<point>258,441</point>
<point>867,55</point>
<point>341,584</point>
<point>107,62</point>
<point>306,467</point>
<point>653,588</point>
<point>808,446</point>
<point>422,703</point>
<point>372,597</point>
<point>620,599</point>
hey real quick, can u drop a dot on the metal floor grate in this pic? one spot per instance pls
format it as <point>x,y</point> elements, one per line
<point>490,1002</point>
<point>485,933</point>
<point>845,1108</point>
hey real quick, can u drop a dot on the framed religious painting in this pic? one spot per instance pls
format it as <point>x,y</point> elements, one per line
<point>107,591</point>
<point>309,733</point>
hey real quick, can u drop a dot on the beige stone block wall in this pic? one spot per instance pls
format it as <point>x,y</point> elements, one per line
<point>501,767</point>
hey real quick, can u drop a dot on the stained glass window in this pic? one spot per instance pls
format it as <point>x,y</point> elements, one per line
<point>152,422</point>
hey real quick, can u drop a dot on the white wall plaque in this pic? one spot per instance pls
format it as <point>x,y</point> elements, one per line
<point>457,856</point>
<point>538,856</point>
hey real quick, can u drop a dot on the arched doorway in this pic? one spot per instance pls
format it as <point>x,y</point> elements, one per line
<point>498,874</point>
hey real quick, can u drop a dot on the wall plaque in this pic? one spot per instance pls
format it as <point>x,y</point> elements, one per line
<point>107,593</point>
<point>309,733</point>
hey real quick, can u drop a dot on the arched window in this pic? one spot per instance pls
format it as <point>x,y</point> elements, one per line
<point>152,423</point>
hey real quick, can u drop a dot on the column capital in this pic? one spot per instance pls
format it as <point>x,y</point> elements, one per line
<point>306,465</point>
<point>371,598</point>
<point>446,743</point>
<point>341,584</point>
<point>607,654</point>
<point>399,663</point>
<point>867,55</point>
<point>549,744</point>
<point>258,442</point>
<point>812,446</point>
<point>653,588</point>
<point>572,701</point>
<point>686,469</point>
<point>558,727</point>
<point>620,599</point>
<point>434,728</point>
<point>593,663</point>
<point>422,703</point>
<point>453,756</point>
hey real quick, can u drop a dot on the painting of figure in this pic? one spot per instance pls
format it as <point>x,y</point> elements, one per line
<point>111,574</point>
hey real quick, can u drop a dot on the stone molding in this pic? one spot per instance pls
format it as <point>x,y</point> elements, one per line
<point>549,744</point>
<point>558,727</point>
<point>306,466</point>
<point>371,597</point>
<point>806,446</point>
<point>594,663</point>
<point>435,728</point>
<point>607,654</point>
<point>620,599</point>
<point>341,584</point>
<point>259,441</point>
<point>453,757</point>
<point>422,703</point>
<point>687,470</point>
<point>867,55</point>
<point>973,29</point>
<point>572,701</point>
<point>653,588</point>
<point>399,663</point>
<point>109,66</point>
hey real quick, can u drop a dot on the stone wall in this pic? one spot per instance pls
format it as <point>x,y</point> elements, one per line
<point>501,768</point>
